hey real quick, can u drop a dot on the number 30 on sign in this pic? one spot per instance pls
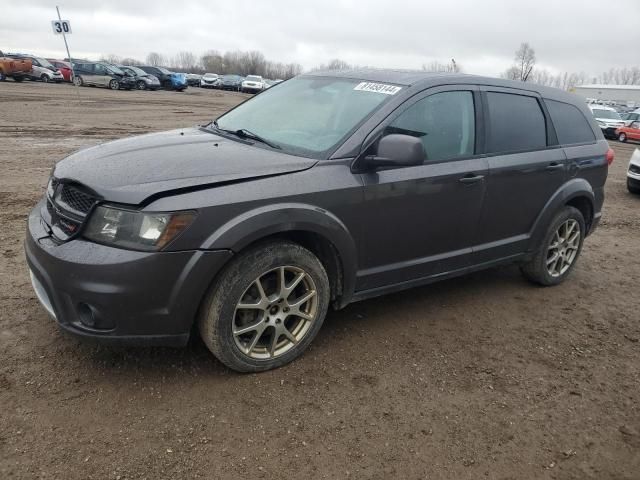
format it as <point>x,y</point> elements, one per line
<point>61,26</point>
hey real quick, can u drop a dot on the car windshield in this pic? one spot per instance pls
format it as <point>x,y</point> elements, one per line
<point>230,77</point>
<point>164,70</point>
<point>210,75</point>
<point>608,114</point>
<point>253,78</point>
<point>115,70</point>
<point>137,71</point>
<point>45,63</point>
<point>306,115</point>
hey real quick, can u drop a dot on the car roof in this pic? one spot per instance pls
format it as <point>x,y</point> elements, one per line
<point>593,106</point>
<point>420,78</point>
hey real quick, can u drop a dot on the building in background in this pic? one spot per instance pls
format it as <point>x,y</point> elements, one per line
<point>619,94</point>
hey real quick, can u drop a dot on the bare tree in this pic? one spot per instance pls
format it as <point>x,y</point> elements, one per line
<point>436,66</point>
<point>155,59</point>
<point>212,62</point>
<point>110,58</point>
<point>130,61</point>
<point>525,60</point>
<point>184,61</point>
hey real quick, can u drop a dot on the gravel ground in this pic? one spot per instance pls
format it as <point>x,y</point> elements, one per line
<point>485,376</point>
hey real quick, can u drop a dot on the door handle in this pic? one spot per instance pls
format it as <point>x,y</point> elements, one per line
<point>554,166</point>
<point>471,178</point>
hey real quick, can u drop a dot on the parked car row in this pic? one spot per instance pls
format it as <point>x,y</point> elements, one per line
<point>141,77</point>
<point>15,66</point>
<point>248,84</point>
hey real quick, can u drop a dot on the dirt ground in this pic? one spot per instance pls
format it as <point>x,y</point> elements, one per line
<point>485,376</point>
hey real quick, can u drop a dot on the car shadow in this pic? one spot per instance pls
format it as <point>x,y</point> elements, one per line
<point>371,314</point>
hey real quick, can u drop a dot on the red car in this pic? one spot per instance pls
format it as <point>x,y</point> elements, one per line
<point>632,132</point>
<point>64,67</point>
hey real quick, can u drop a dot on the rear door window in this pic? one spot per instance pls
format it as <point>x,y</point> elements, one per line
<point>570,124</point>
<point>516,123</point>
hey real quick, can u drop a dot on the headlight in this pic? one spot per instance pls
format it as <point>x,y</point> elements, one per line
<point>136,230</point>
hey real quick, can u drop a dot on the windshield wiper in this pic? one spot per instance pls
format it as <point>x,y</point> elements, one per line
<point>244,133</point>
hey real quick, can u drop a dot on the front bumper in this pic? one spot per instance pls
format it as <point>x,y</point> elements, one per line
<point>119,296</point>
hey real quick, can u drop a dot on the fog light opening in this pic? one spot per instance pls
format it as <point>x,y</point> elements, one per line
<point>86,316</point>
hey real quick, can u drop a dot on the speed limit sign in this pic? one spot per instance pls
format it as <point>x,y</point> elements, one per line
<point>61,27</point>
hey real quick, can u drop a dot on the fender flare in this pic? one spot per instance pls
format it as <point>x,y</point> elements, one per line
<point>574,188</point>
<point>268,220</point>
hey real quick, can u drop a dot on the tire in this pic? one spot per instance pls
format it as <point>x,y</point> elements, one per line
<point>632,189</point>
<point>3,77</point>
<point>18,79</point>
<point>114,85</point>
<point>622,137</point>
<point>254,350</point>
<point>44,78</point>
<point>77,81</point>
<point>141,85</point>
<point>537,269</point>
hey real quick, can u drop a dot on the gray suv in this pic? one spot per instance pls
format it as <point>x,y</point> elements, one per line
<point>324,190</point>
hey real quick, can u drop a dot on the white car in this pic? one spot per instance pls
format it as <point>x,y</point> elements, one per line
<point>210,80</point>
<point>608,119</point>
<point>633,173</point>
<point>253,84</point>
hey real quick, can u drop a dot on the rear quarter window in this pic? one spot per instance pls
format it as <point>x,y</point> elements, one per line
<point>570,124</point>
<point>516,123</point>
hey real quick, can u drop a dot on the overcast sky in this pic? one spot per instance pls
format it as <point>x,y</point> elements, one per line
<point>567,35</point>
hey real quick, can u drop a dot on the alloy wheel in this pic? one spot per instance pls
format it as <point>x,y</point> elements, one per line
<point>563,248</point>
<point>114,85</point>
<point>275,313</point>
<point>622,137</point>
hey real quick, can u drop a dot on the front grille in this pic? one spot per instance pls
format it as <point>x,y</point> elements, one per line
<point>75,200</point>
<point>68,206</point>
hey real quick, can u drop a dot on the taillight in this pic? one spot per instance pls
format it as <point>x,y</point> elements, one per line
<point>611,155</point>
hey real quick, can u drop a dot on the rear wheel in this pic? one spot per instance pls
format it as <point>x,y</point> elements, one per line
<point>114,85</point>
<point>266,307</point>
<point>18,79</point>
<point>77,81</point>
<point>622,137</point>
<point>562,245</point>
<point>3,77</point>
<point>141,85</point>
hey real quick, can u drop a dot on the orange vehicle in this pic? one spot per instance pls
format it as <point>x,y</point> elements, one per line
<point>632,132</point>
<point>18,69</point>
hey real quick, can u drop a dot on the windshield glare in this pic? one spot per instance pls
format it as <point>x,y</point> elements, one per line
<point>137,71</point>
<point>608,114</point>
<point>307,116</point>
<point>45,63</point>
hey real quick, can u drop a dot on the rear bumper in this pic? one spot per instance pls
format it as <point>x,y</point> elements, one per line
<point>119,296</point>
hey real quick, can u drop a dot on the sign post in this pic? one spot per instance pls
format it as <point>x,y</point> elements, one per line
<point>63,27</point>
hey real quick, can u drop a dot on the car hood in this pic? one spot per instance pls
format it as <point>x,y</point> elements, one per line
<point>133,169</point>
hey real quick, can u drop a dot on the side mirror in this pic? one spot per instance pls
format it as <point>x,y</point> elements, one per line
<point>397,150</point>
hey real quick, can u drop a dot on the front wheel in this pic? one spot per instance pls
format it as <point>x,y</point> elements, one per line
<point>77,81</point>
<point>622,137</point>
<point>114,85</point>
<point>266,307</point>
<point>141,85</point>
<point>44,78</point>
<point>562,245</point>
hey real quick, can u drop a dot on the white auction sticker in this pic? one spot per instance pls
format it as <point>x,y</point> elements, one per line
<point>377,88</point>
